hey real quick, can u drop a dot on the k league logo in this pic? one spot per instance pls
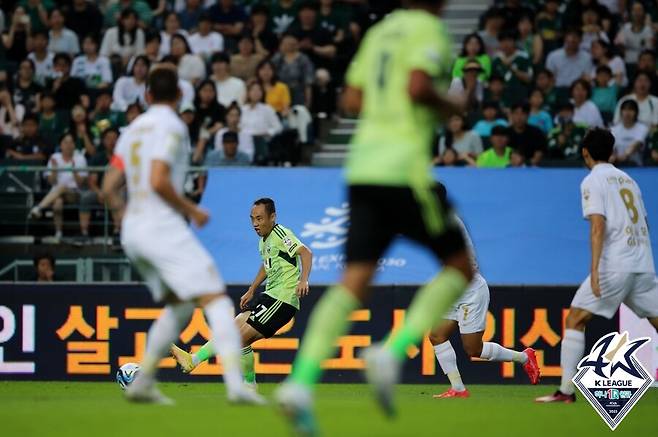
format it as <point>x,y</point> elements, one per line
<point>611,378</point>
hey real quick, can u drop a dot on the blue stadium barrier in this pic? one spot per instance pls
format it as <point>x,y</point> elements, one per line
<point>526,223</point>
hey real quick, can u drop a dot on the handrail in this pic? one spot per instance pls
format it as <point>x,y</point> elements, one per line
<point>84,268</point>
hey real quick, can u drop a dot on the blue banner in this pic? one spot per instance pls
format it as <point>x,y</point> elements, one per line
<point>526,224</point>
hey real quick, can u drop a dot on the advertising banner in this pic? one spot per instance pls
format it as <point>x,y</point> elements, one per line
<point>526,224</point>
<point>85,332</point>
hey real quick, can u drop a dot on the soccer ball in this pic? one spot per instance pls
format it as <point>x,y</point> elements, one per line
<point>126,374</point>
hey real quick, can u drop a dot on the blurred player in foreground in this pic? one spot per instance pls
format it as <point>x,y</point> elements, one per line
<point>469,314</point>
<point>151,158</point>
<point>622,269</point>
<point>282,253</point>
<point>398,80</point>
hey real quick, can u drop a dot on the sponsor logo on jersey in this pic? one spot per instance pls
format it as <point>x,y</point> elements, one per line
<point>611,378</point>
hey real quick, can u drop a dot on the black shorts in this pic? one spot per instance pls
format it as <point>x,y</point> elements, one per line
<point>268,315</point>
<point>378,214</point>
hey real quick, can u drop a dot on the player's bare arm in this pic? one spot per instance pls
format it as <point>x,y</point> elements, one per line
<point>161,184</point>
<point>260,277</point>
<point>422,91</point>
<point>597,236</point>
<point>112,182</point>
<point>307,261</point>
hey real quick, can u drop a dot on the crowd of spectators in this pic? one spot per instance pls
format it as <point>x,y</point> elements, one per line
<point>258,76</point>
<point>539,73</point>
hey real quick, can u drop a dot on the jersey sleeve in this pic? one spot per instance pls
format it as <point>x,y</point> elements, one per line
<point>289,242</point>
<point>425,51</point>
<point>169,142</point>
<point>357,72</point>
<point>592,198</point>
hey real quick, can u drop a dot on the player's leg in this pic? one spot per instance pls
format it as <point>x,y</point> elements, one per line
<point>249,336</point>
<point>445,355</point>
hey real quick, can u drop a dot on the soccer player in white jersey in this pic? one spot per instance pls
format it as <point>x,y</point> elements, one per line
<point>622,269</point>
<point>469,314</point>
<point>151,157</point>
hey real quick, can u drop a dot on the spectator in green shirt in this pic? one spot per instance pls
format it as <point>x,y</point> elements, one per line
<point>515,67</point>
<point>605,92</point>
<point>473,47</point>
<point>499,155</point>
<point>38,12</point>
<point>52,124</point>
<point>565,138</point>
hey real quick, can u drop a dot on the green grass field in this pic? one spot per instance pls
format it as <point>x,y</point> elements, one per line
<point>98,410</point>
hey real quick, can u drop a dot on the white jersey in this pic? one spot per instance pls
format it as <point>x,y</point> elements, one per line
<point>610,192</point>
<point>158,134</point>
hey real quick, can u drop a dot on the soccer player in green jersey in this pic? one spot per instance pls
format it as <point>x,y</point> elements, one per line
<point>281,253</point>
<point>398,81</point>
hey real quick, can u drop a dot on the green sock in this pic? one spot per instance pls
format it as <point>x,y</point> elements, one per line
<point>203,354</point>
<point>428,307</point>
<point>247,364</point>
<point>329,320</point>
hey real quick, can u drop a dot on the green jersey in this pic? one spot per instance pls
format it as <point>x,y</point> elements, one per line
<point>282,266</point>
<point>393,142</point>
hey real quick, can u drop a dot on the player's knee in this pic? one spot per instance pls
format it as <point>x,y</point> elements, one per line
<point>436,338</point>
<point>473,349</point>
<point>577,319</point>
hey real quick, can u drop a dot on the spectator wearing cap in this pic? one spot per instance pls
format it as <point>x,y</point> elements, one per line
<point>125,40</point>
<point>93,69</point>
<point>132,88</point>
<point>459,145</point>
<point>469,85</point>
<point>636,35</point>
<point>514,67</point>
<point>602,55</point>
<point>41,57</point>
<point>528,140</point>
<point>490,119</point>
<point>493,23</point>
<point>44,267</point>
<point>605,92</point>
<point>648,104</point>
<point>585,111</point>
<point>246,60</point>
<point>68,90</point>
<point>499,155</point>
<point>83,17</point>
<point>472,48</point>
<point>295,69</point>
<point>565,138</point>
<point>569,63</point>
<point>229,154</point>
<point>205,41</point>
<point>61,39</point>
<point>314,41</point>
<point>539,117</point>
<point>630,135</point>
<point>229,88</point>
<point>190,15</point>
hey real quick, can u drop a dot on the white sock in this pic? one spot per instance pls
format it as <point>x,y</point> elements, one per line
<point>495,352</point>
<point>573,348</point>
<point>226,339</point>
<point>162,333</point>
<point>445,354</point>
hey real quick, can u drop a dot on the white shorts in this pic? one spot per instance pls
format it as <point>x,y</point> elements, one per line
<point>170,258</point>
<point>639,291</point>
<point>470,311</point>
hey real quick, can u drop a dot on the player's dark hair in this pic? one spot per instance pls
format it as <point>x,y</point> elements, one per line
<point>269,204</point>
<point>163,84</point>
<point>599,142</point>
<point>44,255</point>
